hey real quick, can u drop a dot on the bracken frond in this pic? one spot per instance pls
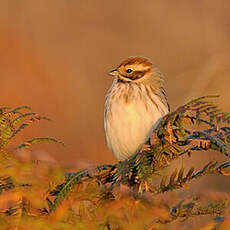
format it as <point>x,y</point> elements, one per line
<point>117,196</point>
<point>13,121</point>
<point>37,140</point>
<point>171,139</point>
<point>177,180</point>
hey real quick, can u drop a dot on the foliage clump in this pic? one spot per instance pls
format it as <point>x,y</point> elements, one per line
<point>117,196</point>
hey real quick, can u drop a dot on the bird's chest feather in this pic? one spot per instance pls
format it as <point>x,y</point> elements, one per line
<point>131,121</point>
<point>129,127</point>
<point>129,115</point>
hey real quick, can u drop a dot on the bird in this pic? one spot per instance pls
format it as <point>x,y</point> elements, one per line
<point>134,105</point>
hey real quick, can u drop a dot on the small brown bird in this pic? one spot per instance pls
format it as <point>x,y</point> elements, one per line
<point>133,106</point>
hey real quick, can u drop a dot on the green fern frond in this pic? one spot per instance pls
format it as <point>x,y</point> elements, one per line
<point>10,120</point>
<point>64,189</point>
<point>193,208</point>
<point>17,120</point>
<point>19,108</point>
<point>6,183</point>
<point>20,118</point>
<point>177,180</point>
<point>6,129</point>
<point>37,140</point>
<point>171,139</point>
<point>20,128</point>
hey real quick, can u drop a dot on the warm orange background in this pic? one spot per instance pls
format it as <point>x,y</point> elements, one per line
<point>55,55</point>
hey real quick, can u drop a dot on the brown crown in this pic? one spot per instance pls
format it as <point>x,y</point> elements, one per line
<point>136,60</point>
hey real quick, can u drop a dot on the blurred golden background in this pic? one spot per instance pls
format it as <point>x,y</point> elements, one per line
<point>55,56</point>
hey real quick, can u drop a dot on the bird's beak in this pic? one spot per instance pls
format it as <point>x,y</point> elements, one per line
<point>113,73</point>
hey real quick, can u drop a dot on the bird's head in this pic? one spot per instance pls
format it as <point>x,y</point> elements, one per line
<point>136,69</point>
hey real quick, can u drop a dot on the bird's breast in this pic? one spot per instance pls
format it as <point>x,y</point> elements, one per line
<point>128,125</point>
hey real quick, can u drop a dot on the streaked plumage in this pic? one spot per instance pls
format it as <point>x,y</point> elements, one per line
<point>133,106</point>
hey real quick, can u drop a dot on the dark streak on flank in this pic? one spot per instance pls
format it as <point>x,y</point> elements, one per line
<point>150,97</point>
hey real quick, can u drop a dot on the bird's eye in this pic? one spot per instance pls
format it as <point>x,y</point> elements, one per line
<point>129,71</point>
